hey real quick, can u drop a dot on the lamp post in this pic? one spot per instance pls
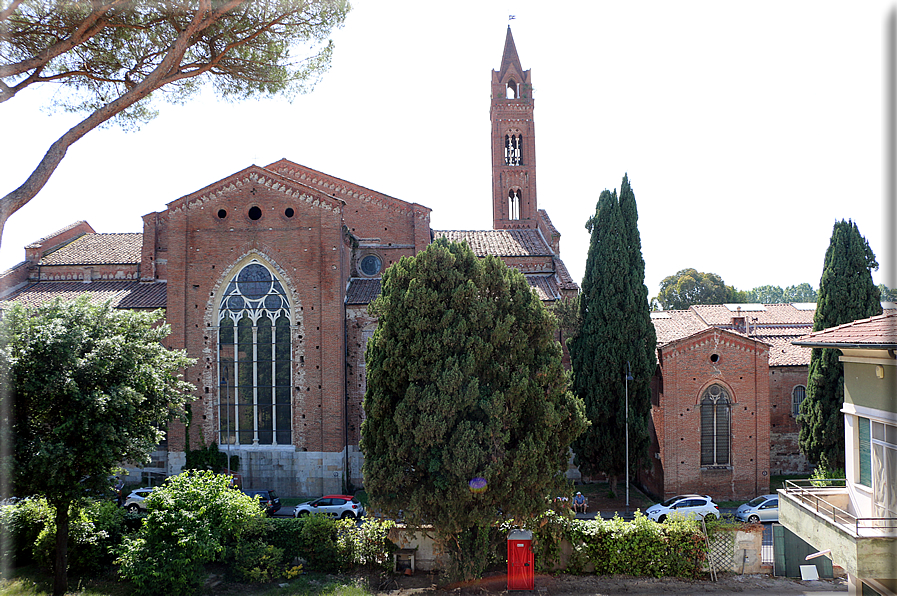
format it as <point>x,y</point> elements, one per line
<point>627,379</point>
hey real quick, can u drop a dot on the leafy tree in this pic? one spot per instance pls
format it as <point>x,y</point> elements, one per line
<point>689,286</point>
<point>846,293</point>
<point>735,296</point>
<point>112,55</point>
<point>887,295</point>
<point>192,518</point>
<point>85,388</point>
<point>567,312</point>
<point>616,335</point>
<point>800,293</point>
<point>468,411</point>
<point>766,295</point>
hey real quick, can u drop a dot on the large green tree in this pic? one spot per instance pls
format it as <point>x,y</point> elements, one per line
<point>84,388</point>
<point>111,56</point>
<point>846,293</point>
<point>690,286</point>
<point>615,337</point>
<point>800,293</point>
<point>468,410</point>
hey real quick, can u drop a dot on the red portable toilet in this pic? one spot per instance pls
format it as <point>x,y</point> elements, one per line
<point>521,575</point>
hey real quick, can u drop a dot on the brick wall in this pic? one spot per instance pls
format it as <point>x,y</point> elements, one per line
<point>738,364</point>
<point>785,455</point>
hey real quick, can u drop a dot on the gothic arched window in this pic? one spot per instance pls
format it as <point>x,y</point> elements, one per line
<point>511,90</point>
<point>797,397</point>
<point>715,426</point>
<point>254,360</point>
<point>514,197</point>
<point>513,150</point>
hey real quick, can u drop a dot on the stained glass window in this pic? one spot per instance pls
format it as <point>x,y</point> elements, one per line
<point>254,360</point>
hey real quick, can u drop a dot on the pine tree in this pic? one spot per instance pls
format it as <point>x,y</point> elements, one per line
<point>846,293</point>
<point>616,335</point>
<point>468,408</point>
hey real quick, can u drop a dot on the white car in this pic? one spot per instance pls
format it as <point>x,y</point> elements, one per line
<point>686,505</point>
<point>342,506</point>
<point>764,508</point>
<point>134,503</point>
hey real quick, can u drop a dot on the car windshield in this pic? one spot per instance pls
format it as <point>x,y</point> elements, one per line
<point>757,501</point>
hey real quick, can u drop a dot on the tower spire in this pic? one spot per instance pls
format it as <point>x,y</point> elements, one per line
<point>514,204</point>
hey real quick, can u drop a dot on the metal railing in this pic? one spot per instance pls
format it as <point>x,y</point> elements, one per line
<point>812,493</point>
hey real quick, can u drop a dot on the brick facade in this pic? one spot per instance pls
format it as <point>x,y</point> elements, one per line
<point>314,246</point>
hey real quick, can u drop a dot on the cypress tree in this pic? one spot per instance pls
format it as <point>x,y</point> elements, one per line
<point>615,333</point>
<point>468,408</point>
<point>846,293</point>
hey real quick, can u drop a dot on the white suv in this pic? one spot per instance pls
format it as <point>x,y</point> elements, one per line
<point>342,506</point>
<point>685,505</point>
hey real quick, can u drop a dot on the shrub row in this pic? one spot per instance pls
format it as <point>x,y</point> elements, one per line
<point>195,519</point>
<point>612,547</point>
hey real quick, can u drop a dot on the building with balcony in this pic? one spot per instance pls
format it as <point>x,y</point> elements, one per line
<point>856,519</point>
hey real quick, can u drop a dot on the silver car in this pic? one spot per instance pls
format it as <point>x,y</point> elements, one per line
<point>134,503</point>
<point>764,508</point>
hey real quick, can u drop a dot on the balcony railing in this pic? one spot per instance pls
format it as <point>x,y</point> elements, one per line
<point>818,496</point>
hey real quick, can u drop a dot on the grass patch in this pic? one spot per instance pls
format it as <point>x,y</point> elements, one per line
<point>777,482</point>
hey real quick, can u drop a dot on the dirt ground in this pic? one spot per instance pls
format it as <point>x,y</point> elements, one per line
<point>591,585</point>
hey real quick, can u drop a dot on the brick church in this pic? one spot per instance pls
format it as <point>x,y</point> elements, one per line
<point>265,277</point>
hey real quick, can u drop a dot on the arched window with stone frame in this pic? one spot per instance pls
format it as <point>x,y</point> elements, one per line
<point>797,397</point>
<point>254,359</point>
<point>716,411</point>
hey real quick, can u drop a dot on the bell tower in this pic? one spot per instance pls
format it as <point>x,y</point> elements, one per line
<point>514,203</point>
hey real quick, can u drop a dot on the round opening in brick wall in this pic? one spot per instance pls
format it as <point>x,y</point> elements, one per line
<point>222,213</point>
<point>714,358</point>
<point>255,213</point>
<point>289,212</point>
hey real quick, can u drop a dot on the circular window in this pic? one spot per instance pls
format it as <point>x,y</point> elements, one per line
<point>255,213</point>
<point>370,265</point>
<point>714,358</point>
<point>222,213</point>
<point>254,281</point>
<point>289,212</point>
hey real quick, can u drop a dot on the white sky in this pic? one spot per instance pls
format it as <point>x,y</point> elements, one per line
<point>747,129</point>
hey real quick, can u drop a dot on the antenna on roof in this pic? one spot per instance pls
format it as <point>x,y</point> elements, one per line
<point>511,17</point>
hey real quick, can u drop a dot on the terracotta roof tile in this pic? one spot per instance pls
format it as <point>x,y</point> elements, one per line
<point>565,280</point>
<point>40,242</point>
<point>122,293</point>
<point>544,215</point>
<point>97,249</point>
<point>875,332</point>
<point>672,325</point>
<point>500,243</point>
<point>783,353</point>
<point>545,286</point>
<point>719,315</point>
<point>362,290</point>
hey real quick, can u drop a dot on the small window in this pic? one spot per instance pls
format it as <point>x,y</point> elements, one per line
<point>865,452</point>
<point>371,264</point>
<point>511,91</point>
<point>255,213</point>
<point>514,203</point>
<point>797,397</point>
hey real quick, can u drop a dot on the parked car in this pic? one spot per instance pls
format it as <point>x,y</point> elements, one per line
<point>342,506</point>
<point>268,499</point>
<point>764,508</point>
<point>134,503</point>
<point>686,505</point>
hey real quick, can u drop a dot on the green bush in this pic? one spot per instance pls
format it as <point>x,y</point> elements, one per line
<point>191,521</point>
<point>365,545</point>
<point>317,543</point>
<point>96,528</point>
<point>256,561</point>
<point>639,547</point>
<point>20,525</point>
